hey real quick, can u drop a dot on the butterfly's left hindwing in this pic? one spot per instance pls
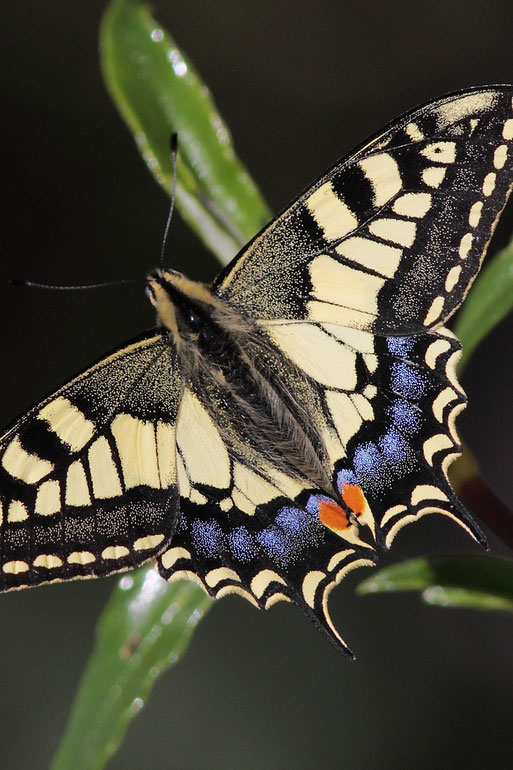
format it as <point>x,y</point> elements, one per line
<point>88,477</point>
<point>246,526</point>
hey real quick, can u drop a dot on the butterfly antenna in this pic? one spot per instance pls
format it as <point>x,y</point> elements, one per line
<point>33,285</point>
<point>174,152</point>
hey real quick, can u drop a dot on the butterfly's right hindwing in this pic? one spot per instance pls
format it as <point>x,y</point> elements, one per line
<point>88,476</point>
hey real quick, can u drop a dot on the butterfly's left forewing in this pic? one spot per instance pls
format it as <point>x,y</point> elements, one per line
<point>88,476</point>
<point>389,239</point>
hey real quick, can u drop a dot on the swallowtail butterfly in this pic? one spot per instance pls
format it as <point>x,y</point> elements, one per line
<point>279,424</point>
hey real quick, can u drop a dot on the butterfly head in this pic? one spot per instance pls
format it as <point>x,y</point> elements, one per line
<point>184,307</point>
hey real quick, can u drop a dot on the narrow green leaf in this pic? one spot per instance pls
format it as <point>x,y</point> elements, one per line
<point>489,301</point>
<point>441,596</point>
<point>144,629</point>
<point>479,582</point>
<point>157,91</point>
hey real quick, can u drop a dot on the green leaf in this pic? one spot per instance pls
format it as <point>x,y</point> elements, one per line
<point>478,582</point>
<point>144,629</point>
<point>489,301</point>
<point>157,91</point>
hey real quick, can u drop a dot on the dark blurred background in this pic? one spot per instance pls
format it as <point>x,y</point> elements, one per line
<point>299,84</point>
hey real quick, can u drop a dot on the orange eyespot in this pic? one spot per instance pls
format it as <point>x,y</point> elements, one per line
<point>353,497</point>
<point>332,515</point>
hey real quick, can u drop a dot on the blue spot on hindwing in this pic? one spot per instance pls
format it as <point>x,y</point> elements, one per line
<point>208,538</point>
<point>277,545</point>
<point>397,452</point>
<point>294,530</point>
<point>242,544</point>
<point>404,416</point>
<point>346,476</point>
<point>406,381</point>
<point>400,346</point>
<point>371,470</point>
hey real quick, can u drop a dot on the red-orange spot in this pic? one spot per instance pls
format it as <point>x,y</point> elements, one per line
<point>353,497</point>
<point>332,515</point>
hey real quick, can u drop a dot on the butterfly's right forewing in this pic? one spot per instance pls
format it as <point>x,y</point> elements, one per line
<point>88,476</point>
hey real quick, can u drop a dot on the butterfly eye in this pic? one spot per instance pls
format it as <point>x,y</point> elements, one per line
<point>150,293</point>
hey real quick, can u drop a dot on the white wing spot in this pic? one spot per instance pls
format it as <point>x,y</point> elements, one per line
<point>48,500</point>
<point>104,474</point>
<point>435,311</point>
<point>68,423</point>
<point>77,491</point>
<point>414,132</point>
<point>81,557</point>
<point>391,513</point>
<point>441,401</point>
<point>414,205</point>
<point>23,465</point>
<point>343,285</point>
<point>507,131</point>
<point>15,567</point>
<point>330,212</point>
<point>453,276</point>
<point>436,444</point>
<point>171,557</point>
<point>115,552</point>
<point>215,576</point>
<point>310,586</point>
<point>465,245</point>
<point>47,560</point>
<point>338,557</point>
<point>149,541</point>
<point>263,580</point>
<point>17,511</point>
<point>489,183</point>
<point>382,171</point>
<point>395,230</point>
<point>434,176</point>
<point>475,214</point>
<point>197,497</point>
<point>500,156</point>
<point>424,492</point>
<point>440,152</point>
<point>435,350</point>
<point>379,257</point>
<point>137,449</point>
